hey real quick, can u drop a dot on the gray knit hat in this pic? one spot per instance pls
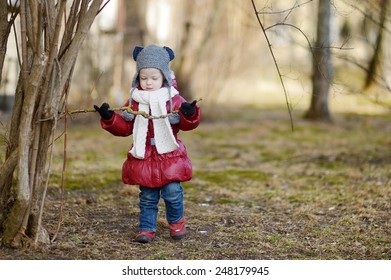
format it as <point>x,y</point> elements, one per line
<point>153,56</point>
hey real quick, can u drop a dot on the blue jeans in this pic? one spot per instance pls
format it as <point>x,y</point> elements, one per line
<point>172,194</point>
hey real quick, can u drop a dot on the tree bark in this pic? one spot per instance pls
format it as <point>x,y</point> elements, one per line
<point>5,28</point>
<point>322,66</point>
<point>43,82</point>
<point>4,33</point>
<point>18,216</point>
<point>375,60</point>
<point>185,64</point>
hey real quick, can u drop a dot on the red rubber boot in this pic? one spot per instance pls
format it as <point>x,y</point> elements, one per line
<point>145,236</point>
<point>178,230</point>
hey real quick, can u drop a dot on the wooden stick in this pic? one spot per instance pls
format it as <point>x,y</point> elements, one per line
<point>129,109</point>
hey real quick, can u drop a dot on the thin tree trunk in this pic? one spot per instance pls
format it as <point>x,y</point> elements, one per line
<point>375,61</point>
<point>322,66</point>
<point>44,78</point>
<point>18,216</point>
<point>5,28</point>
<point>186,64</point>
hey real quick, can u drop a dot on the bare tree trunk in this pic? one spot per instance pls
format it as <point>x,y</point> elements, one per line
<point>186,63</point>
<point>131,29</point>
<point>322,66</point>
<point>4,32</point>
<point>5,27</point>
<point>375,61</point>
<point>40,95</point>
<point>134,27</point>
<point>181,71</point>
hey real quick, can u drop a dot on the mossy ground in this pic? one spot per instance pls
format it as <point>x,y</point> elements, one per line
<point>259,191</point>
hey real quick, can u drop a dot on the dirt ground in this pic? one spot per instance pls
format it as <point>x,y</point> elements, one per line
<point>259,191</point>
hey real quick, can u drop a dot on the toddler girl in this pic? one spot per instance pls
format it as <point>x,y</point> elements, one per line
<point>157,160</point>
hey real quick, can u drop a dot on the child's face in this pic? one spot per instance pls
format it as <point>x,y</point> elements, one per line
<point>151,79</point>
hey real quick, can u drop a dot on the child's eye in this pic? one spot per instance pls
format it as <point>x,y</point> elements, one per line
<point>143,78</point>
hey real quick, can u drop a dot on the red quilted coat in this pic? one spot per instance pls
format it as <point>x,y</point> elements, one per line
<point>155,170</point>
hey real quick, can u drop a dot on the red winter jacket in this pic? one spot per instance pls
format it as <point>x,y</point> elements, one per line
<point>155,170</point>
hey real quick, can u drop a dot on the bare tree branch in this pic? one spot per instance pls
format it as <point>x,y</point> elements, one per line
<point>289,11</point>
<point>276,65</point>
<point>367,15</point>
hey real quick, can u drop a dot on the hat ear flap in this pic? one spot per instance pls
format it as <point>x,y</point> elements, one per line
<point>136,52</point>
<point>170,52</point>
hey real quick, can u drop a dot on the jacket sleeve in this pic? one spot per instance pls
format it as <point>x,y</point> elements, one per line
<point>117,125</point>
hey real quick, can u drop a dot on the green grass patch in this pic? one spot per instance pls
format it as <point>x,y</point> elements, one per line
<point>259,191</point>
<point>230,176</point>
<point>88,180</point>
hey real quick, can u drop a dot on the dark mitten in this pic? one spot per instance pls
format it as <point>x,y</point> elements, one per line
<point>104,111</point>
<point>188,109</point>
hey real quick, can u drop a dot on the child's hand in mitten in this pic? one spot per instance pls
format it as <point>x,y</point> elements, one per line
<point>188,109</point>
<point>104,111</point>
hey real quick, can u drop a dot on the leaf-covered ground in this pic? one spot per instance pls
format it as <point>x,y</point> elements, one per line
<point>260,191</point>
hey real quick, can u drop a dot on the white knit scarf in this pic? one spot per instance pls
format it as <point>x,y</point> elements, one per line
<point>155,103</point>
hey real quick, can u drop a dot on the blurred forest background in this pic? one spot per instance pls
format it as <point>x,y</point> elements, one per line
<point>222,55</point>
<point>260,190</point>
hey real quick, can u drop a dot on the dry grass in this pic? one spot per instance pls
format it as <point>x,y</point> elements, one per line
<point>259,191</point>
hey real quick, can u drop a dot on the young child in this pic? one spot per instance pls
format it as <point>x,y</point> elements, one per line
<point>157,160</point>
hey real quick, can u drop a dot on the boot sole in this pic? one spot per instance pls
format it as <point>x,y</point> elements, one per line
<point>178,237</point>
<point>143,239</point>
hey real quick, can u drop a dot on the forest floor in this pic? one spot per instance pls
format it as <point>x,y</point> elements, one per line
<point>259,191</point>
